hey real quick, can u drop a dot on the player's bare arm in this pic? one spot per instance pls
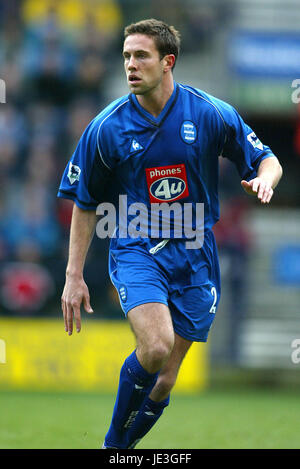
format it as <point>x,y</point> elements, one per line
<point>76,291</point>
<point>268,176</point>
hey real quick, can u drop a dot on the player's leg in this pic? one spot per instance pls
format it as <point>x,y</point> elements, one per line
<point>159,397</point>
<point>193,310</point>
<point>153,329</point>
<point>152,326</point>
<point>168,375</point>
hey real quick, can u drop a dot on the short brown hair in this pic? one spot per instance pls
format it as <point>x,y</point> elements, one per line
<point>166,38</point>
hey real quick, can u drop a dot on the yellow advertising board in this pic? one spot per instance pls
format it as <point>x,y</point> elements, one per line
<point>38,355</point>
<point>106,14</point>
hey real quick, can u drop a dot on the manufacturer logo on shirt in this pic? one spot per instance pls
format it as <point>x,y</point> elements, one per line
<point>167,183</point>
<point>73,173</point>
<point>135,146</point>
<point>188,132</point>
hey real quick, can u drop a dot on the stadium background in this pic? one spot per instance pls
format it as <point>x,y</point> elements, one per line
<point>60,62</point>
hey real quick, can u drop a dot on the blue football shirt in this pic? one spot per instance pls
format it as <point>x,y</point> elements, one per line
<point>170,158</point>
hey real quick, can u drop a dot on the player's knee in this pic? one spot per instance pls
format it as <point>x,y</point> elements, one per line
<point>161,351</point>
<point>156,353</point>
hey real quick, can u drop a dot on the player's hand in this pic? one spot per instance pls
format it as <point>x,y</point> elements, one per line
<point>75,293</point>
<point>260,188</point>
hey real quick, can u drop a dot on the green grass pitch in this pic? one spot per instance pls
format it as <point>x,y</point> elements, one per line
<point>252,419</point>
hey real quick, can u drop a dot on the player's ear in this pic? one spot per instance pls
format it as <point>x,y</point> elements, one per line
<point>169,61</point>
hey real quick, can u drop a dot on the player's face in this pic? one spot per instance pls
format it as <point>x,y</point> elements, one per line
<point>143,65</point>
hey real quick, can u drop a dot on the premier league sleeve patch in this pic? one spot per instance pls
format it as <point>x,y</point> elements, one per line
<point>167,183</point>
<point>254,140</point>
<point>73,173</point>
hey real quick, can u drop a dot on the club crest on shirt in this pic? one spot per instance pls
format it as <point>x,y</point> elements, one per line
<point>167,183</point>
<point>73,173</point>
<point>188,132</point>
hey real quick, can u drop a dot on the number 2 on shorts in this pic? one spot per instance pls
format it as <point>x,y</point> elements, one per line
<point>214,293</point>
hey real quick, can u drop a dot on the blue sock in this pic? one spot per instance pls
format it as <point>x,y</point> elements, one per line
<point>146,418</point>
<point>134,386</point>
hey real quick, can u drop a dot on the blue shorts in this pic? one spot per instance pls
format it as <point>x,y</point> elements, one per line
<point>187,281</point>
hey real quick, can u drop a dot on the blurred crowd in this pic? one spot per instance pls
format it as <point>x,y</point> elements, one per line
<point>54,63</point>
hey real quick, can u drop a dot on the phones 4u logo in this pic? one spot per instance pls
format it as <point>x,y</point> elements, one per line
<point>2,91</point>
